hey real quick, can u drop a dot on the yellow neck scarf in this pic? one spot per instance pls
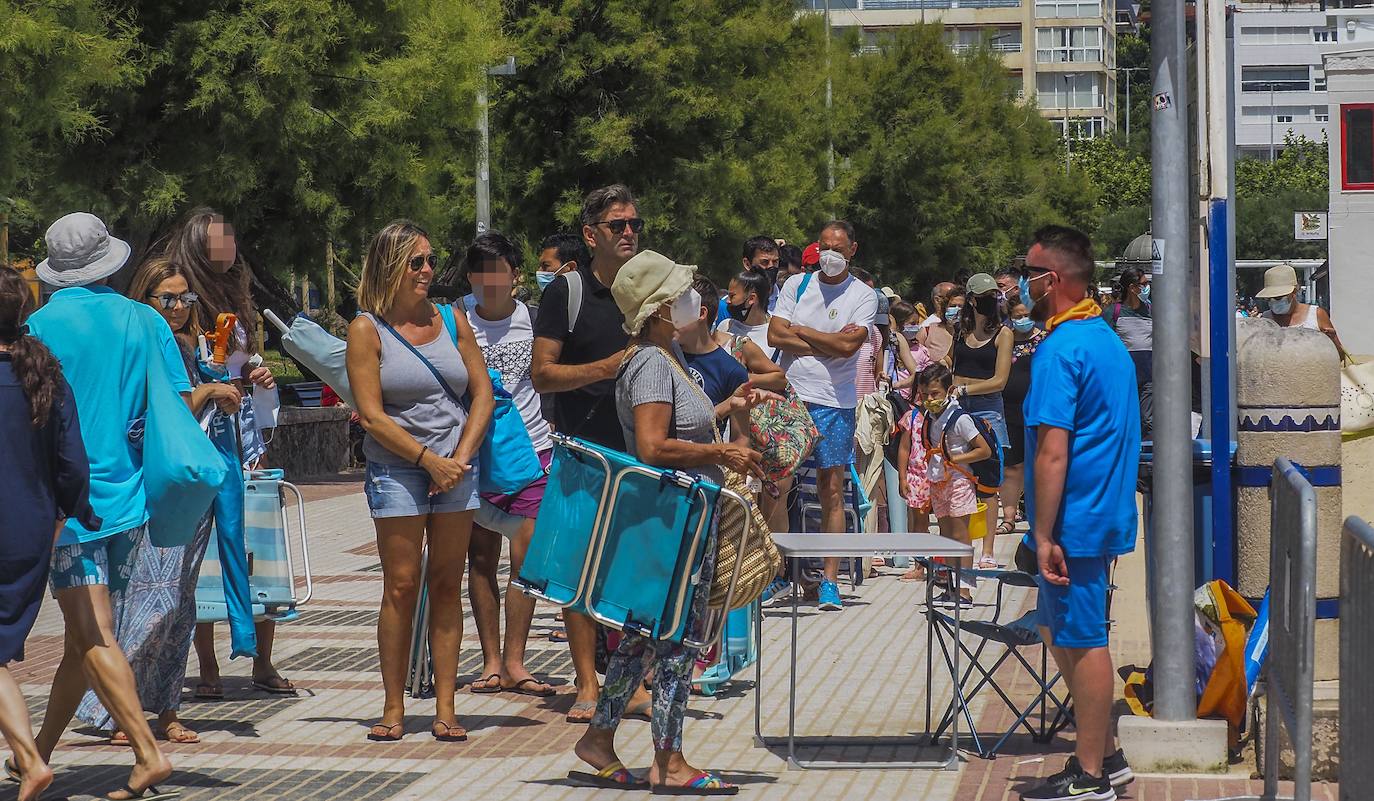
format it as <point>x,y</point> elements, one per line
<point>1085,310</point>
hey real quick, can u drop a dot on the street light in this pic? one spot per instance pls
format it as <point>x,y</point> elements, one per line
<point>484,144</point>
<point>1128,71</point>
<point>1068,143</point>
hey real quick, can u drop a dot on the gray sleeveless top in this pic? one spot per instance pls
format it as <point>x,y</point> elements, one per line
<point>413,398</point>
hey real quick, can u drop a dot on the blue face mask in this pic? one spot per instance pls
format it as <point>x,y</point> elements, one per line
<point>543,279</point>
<point>1024,285</point>
<point>1145,294</point>
<point>1023,325</point>
<point>952,314</point>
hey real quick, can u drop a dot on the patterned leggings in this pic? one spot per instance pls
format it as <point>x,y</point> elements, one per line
<point>672,663</point>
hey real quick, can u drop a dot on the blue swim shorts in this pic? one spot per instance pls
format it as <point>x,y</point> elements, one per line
<point>1076,615</point>
<point>836,445</point>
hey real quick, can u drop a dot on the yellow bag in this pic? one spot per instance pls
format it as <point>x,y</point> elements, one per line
<point>1225,693</point>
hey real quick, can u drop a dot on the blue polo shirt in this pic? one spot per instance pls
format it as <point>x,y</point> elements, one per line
<point>107,344</point>
<point>1083,381</point>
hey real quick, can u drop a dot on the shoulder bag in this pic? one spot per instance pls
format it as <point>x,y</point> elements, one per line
<point>780,430</point>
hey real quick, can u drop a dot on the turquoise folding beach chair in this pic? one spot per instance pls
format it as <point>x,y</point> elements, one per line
<point>279,583</point>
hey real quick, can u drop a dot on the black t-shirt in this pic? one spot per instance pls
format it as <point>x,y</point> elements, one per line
<point>599,333</point>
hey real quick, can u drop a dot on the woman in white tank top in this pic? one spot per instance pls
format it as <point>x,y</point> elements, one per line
<point>1281,292</point>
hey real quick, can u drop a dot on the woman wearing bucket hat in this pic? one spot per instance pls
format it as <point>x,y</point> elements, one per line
<point>90,567</point>
<point>654,396</point>
<point>1281,293</point>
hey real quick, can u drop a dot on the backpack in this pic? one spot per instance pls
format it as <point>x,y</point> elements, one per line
<point>986,475</point>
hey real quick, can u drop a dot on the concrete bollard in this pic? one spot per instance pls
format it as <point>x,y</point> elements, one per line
<point>1288,397</point>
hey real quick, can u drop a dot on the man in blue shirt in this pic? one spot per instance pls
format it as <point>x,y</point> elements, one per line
<point>1083,425</point>
<point>107,344</point>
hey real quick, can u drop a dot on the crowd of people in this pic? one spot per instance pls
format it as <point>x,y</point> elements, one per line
<point>627,349</point>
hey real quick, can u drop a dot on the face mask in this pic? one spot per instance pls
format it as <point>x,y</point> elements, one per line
<point>832,263</point>
<point>1038,310</point>
<point>986,306</point>
<point>910,331</point>
<point>543,279</point>
<point>739,312</point>
<point>685,310</point>
<point>1024,285</point>
<point>1023,325</point>
<point>1145,294</point>
<point>952,314</point>
<point>1281,305</point>
<point>935,406</point>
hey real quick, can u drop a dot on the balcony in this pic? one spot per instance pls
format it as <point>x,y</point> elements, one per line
<point>905,5</point>
<point>996,47</point>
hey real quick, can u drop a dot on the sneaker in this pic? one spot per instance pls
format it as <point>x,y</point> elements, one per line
<point>1074,785</point>
<point>828,598</point>
<point>1117,770</point>
<point>950,599</point>
<point>776,589</point>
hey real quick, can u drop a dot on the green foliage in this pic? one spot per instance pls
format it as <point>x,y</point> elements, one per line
<point>1118,228</point>
<point>1264,225</point>
<point>1300,166</point>
<point>950,172</point>
<point>1121,175</point>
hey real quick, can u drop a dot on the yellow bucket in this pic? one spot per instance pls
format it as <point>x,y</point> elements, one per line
<point>978,524</point>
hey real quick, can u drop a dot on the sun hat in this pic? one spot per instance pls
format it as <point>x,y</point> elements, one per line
<point>645,283</point>
<point>811,255</point>
<point>981,284</point>
<point>80,251</point>
<point>890,294</point>
<point>1279,281</point>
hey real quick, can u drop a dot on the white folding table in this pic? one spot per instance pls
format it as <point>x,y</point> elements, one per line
<point>856,545</point>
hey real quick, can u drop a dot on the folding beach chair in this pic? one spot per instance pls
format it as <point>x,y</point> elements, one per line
<point>985,646</point>
<point>804,512</point>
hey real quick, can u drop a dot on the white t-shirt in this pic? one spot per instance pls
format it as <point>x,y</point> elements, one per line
<point>961,439</point>
<point>758,334</point>
<point>507,345</point>
<point>826,380</point>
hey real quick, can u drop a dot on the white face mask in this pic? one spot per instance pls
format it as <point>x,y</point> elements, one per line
<point>1281,305</point>
<point>685,310</point>
<point>832,263</point>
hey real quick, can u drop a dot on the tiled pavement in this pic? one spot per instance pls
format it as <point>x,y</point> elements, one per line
<point>862,672</point>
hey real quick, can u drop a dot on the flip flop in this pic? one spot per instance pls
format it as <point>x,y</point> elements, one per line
<point>581,706</point>
<point>267,685</point>
<point>519,688</point>
<point>210,692</point>
<point>558,635</point>
<point>186,736</point>
<point>386,735</point>
<point>118,739</point>
<point>143,795</point>
<point>452,734</point>
<point>614,776</point>
<point>703,783</point>
<point>12,772</point>
<point>486,689</point>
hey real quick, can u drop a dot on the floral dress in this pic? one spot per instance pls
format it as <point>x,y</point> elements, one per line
<point>917,479</point>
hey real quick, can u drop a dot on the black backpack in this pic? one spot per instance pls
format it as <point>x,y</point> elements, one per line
<point>986,474</point>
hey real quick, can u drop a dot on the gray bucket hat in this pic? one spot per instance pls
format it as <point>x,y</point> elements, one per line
<point>80,251</point>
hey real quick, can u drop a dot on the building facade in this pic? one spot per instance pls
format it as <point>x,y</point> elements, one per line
<point>1062,53</point>
<point>1280,81</point>
<point>1350,221</point>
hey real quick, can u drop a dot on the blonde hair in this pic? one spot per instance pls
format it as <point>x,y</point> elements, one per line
<point>153,272</point>
<point>386,265</point>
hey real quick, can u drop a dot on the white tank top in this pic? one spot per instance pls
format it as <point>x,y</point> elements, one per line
<point>1310,321</point>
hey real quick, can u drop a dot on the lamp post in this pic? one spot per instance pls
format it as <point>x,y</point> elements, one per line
<point>1068,143</point>
<point>484,144</point>
<point>1128,71</point>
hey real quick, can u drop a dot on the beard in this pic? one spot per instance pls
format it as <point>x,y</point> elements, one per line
<point>1040,309</point>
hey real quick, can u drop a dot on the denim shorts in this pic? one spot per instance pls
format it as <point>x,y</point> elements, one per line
<point>403,491</point>
<point>835,448</point>
<point>108,560</point>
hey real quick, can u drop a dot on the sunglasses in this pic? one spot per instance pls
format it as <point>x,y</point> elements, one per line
<point>187,299</point>
<point>1032,269</point>
<point>618,226</point>
<point>417,263</point>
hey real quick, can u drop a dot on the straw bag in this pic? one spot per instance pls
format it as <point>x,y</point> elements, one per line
<point>761,560</point>
<point>1357,396</point>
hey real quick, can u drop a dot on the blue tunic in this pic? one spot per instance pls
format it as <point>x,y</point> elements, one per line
<point>46,477</point>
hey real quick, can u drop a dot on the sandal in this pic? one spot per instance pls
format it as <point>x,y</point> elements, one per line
<point>558,635</point>
<point>987,563</point>
<point>916,573</point>
<point>483,686</point>
<point>451,734</point>
<point>581,706</point>
<point>521,688</point>
<point>209,692</point>
<point>12,772</point>
<point>275,685</point>
<point>382,733</point>
<point>143,795</point>
<point>703,783</point>
<point>176,732</point>
<point>614,776</point>
<point>118,739</point>
<point>1006,527</point>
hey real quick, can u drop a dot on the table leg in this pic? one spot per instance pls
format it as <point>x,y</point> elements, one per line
<point>792,673</point>
<point>758,675</point>
<point>957,689</point>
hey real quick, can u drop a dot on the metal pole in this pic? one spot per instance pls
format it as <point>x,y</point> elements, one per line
<point>829,127</point>
<point>483,159</point>
<point>1172,544</point>
<point>1271,121</point>
<point>1128,105</point>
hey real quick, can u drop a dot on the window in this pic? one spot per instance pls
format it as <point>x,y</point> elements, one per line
<point>1276,35</point>
<point>1357,146</point>
<point>1320,114</point>
<point>1319,82</point>
<point>1074,90</point>
<point>1275,79</point>
<point>1283,118</point>
<point>1047,9</point>
<point>1323,34</point>
<point>1082,127</point>
<point>1068,44</point>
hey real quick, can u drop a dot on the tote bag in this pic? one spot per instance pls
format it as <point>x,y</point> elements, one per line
<point>182,471</point>
<point>780,430</point>
<point>1357,397</point>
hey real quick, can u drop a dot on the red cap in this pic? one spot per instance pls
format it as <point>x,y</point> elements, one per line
<point>811,256</point>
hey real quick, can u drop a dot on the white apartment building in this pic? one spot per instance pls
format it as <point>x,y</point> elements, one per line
<point>1280,83</point>
<point>1060,52</point>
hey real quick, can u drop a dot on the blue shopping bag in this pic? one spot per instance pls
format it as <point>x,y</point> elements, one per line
<point>182,471</point>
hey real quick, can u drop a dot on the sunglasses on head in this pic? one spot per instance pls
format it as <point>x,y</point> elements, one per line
<point>618,226</point>
<point>417,263</point>
<point>170,301</point>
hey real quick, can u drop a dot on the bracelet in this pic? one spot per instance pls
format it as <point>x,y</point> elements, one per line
<point>423,450</point>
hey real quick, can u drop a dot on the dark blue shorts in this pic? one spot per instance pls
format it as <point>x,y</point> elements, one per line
<point>835,448</point>
<point>1076,615</point>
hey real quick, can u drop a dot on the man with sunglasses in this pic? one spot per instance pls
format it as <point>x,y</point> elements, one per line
<point>1083,427</point>
<point>578,346</point>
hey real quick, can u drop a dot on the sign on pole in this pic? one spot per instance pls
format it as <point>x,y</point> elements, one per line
<point>1309,225</point>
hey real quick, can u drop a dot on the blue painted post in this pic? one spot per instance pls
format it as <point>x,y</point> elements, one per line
<point>1220,318</point>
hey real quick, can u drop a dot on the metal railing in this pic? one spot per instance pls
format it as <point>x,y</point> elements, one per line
<point>1292,623</point>
<point>903,5</point>
<point>1357,653</point>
